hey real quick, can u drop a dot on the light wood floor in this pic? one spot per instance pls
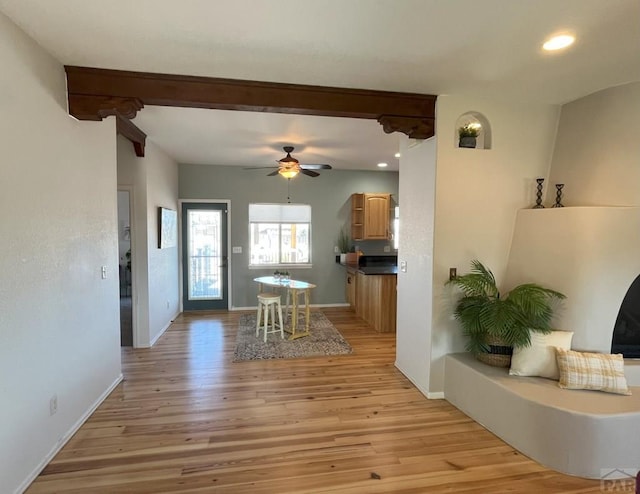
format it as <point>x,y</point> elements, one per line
<point>189,420</point>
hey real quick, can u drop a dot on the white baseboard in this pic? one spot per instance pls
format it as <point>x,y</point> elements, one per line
<point>65,438</point>
<point>431,395</point>
<point>313,306</point>
<point>157,337</point>
<point>406,374</point>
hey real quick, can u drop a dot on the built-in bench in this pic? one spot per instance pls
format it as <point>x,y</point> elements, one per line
<point>583,433</point>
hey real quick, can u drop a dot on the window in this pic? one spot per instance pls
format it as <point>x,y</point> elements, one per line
<point>279,234</point>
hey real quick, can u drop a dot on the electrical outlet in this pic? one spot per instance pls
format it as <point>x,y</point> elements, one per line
<point>53,405</point>
<point>336,249</point>
<point>387,248</point>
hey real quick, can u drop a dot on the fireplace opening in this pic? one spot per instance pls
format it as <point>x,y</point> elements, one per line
<point>626,332</point>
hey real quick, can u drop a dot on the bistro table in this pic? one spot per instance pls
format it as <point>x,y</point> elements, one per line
<point>294,287</point>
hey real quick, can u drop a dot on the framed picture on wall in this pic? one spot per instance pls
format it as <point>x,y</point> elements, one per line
<point>167,228</point>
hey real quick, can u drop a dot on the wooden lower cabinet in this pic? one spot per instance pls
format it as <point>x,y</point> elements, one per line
<point>351,288</point>
<point>376,301</point>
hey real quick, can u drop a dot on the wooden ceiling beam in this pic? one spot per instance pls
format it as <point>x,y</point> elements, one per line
<point>95,93</point>
<point>128,129</point>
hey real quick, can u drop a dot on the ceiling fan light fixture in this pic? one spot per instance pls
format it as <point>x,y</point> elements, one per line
<point>288,159</point>
<point>289,172</point>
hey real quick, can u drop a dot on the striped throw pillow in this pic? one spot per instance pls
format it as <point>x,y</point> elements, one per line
<point>594,371</point>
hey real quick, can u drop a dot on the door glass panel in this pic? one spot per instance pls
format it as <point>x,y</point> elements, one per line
<point>205,254</point>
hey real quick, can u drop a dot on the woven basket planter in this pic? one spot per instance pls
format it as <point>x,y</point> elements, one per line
<point>499,354</point>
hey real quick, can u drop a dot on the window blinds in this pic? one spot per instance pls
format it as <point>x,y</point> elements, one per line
<point>279,213</point>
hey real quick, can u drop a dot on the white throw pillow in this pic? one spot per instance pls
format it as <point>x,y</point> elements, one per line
<point>539,359</point>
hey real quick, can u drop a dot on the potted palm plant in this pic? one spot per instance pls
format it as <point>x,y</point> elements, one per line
<point>495,323</point>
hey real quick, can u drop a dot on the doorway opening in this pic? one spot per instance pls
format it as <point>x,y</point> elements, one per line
<point>124,261</point>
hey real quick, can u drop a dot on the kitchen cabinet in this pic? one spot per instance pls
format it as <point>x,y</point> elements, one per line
<point>350,288</point>
<point>376,301</point>
<point>370,218</point>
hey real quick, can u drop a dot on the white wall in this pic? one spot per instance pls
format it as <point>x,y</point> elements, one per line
<point>164,281</point>
<point>59,323</point>
<point>597,154</point>
<point>478,193</point>
<point>416,192</point>
<point>588,253</point>
<point>155,272</point>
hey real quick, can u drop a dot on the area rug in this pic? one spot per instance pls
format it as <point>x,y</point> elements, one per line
<point>324,339</point>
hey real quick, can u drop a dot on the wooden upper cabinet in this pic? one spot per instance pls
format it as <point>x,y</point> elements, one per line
<point>370,216</point>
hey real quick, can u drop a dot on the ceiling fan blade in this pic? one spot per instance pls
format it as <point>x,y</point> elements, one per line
<point>259,167</point>
<point>273,173</point>
<point>309,173</point>
<point>316,167</point>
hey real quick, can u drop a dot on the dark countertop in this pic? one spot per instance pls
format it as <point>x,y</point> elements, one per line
<point>378,270</point>
<point>374,265</point>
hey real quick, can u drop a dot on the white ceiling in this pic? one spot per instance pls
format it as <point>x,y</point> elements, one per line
<point>219,137</point>
<point>489,48</point>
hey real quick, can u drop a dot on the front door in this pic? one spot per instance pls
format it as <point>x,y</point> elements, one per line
<point>204,256</point>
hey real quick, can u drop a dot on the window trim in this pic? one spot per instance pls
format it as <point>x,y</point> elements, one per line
<point>277,214</point>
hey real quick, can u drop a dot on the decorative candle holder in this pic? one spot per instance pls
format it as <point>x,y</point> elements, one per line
<point>558,203</point>
<point>539,194</point>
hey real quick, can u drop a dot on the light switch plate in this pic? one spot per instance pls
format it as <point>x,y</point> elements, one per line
<point>237,250</point>
<point>403,266</point>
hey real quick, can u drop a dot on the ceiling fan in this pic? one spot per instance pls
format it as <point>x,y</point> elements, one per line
<point>289,167</point>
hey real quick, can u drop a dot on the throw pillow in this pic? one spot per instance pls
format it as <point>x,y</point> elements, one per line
<point>539,358</point>
<point>595,371</point>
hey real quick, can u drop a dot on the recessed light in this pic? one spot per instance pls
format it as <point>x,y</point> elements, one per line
<point>382,165</point>
<point>558,42</point>
<point>397,155</point>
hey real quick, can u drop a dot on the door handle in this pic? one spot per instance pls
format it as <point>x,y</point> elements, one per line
<point>224,262</point>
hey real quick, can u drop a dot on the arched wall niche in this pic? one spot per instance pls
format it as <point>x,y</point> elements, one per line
<point>476,120</point>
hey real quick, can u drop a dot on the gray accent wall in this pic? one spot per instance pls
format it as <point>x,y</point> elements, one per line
<point>329,197</point>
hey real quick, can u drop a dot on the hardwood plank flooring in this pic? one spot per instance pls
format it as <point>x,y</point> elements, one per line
<point>187,419</point>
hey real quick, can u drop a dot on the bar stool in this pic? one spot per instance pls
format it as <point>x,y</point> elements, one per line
<point>300,296</point>
<point>268,301</point>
